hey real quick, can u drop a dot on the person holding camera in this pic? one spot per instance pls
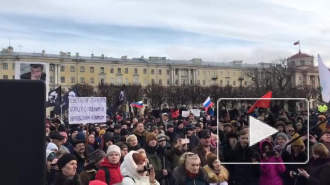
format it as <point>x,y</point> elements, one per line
<point>136,170</point>
<point>319,166</point>
<point>270,173</point>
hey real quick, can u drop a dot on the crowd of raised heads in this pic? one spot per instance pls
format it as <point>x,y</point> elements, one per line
<point>163,147</point>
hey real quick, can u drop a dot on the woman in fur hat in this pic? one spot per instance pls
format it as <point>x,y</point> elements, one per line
<point>218,174</point>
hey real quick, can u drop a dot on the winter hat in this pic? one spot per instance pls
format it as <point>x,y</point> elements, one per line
<point>50,155</point>
<point>153,128</point>
<point>326,131</point>
<point>96,156</point>
<point>81,136</point>
<point>130,137</point>
<point>65,159</point>
<point>298,124</point>
<point>124,132</point>
<point>170,125</point>
<point>204,134</point>
<point>108,137</point>
<point>97,182</point>
<point>161,137</point>
<point>280,123</point>
<point>210,158</point>
<point>52,147</point>
<point>101,132</point>
<point>121,145</point>
<point>281,134</point>
<point>117,126</point>
<point>112,149</point>
<point>74,129</point>
<point>298,142</point>
<point>150,136</point>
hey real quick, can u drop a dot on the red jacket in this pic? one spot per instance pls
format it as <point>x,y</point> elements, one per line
<point>114,170</point>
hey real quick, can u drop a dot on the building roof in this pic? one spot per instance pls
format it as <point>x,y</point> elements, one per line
<point>300,55</point>
<point>141,60</point>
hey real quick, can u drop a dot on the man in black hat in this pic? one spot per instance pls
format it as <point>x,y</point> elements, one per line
<point>170,132</point>
<point>57,138</point>
<point>189,134</point>
<point>79,152</point>
<point>204,147</point>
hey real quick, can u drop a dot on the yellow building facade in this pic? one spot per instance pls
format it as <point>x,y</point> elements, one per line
<point>66,70</point>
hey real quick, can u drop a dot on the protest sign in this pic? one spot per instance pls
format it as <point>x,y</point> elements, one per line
<point>185,113</point>
<point>196,112</point>
<point>84,110</point>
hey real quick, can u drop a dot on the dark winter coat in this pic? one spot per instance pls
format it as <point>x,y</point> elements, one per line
<point>80,162</point>
<point>243,174</point>
<point>202,153</point>
<point>173,155</point>
<point>141,137</point>
<point>155,160</point>
<point>193,142</point>
<point>63,180</point>
<point>88,173</point>
<point>180,177</point>
<point>319,172</point>
<point>114,170</point>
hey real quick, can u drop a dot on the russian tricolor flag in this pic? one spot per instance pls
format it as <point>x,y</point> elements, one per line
<point>208,103</point>
<point>137,104</point>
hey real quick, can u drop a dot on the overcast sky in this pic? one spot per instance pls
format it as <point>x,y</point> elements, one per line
<point>214,30</point>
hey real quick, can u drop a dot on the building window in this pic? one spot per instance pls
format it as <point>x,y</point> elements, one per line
<point>168,82</point>
<point>145,82</point>
<point>119,81</point>
<point>221,82</point>
<point>51,79</point>
<point>5,66</point>
<point>135,71</point>
<point>126,70</point>
<point>300,78</point>
<point>62,68</point>
<point>159,71</point>
<point>112,70</point>
<point>62,79</point>
<point>160,82</point>
<point>13,66</point>
<point>152,71</point>
<point>5,77</point>
<point>227,82</point>
<point>82,68</point>
<point>245,83</point>
<point>13,76</point>
<point>92,80</point>
<point>136,81</point>
<point>144,71</point>
<point>198,82</point>
<point>177,72</point>
<point>183,82</point>
<point>73,80</point>
<point>72,68</point>
<point>119,70</point>
<point>102,69</point>
<point>102,81</point>
<point>234,83</point>
<point>51,67</point>
<point>112,81</point>
<point>82,80</point>
<point>176,82</point>
<point>126,81</point>
<point>152,81</point>
<point>203,82</point>
<point>302,62</point>
<point>91,69</point>
<point>168,72</point>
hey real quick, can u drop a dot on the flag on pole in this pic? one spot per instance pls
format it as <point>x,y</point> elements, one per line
<point>137,104</point>
<point>65,100</point>
<point>122,96</point>
<point>261,103</point>
<point>324,74</point>
<point>207,103</point>
<point>296,43</point>
<point>54,97</point>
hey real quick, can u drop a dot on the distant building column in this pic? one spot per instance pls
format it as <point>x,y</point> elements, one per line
<point>173,70</point>
<point>189,76</point>
<point>195,76</point>
<point>57,78</point>
<point>179,76</point>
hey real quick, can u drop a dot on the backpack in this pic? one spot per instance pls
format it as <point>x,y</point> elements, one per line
<point>107,174</point>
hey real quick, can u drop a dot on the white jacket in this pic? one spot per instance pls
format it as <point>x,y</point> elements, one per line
<point>128,168</point>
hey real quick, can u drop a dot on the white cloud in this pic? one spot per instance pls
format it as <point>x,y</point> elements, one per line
<point>272,24</point>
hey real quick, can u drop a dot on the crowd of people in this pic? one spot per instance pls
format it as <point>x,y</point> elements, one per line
<point>162,147</point>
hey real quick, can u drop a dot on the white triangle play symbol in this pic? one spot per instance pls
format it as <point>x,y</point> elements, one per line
<point>259,131</point>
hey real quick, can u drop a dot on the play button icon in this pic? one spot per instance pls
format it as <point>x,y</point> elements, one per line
<point>259,130</point>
